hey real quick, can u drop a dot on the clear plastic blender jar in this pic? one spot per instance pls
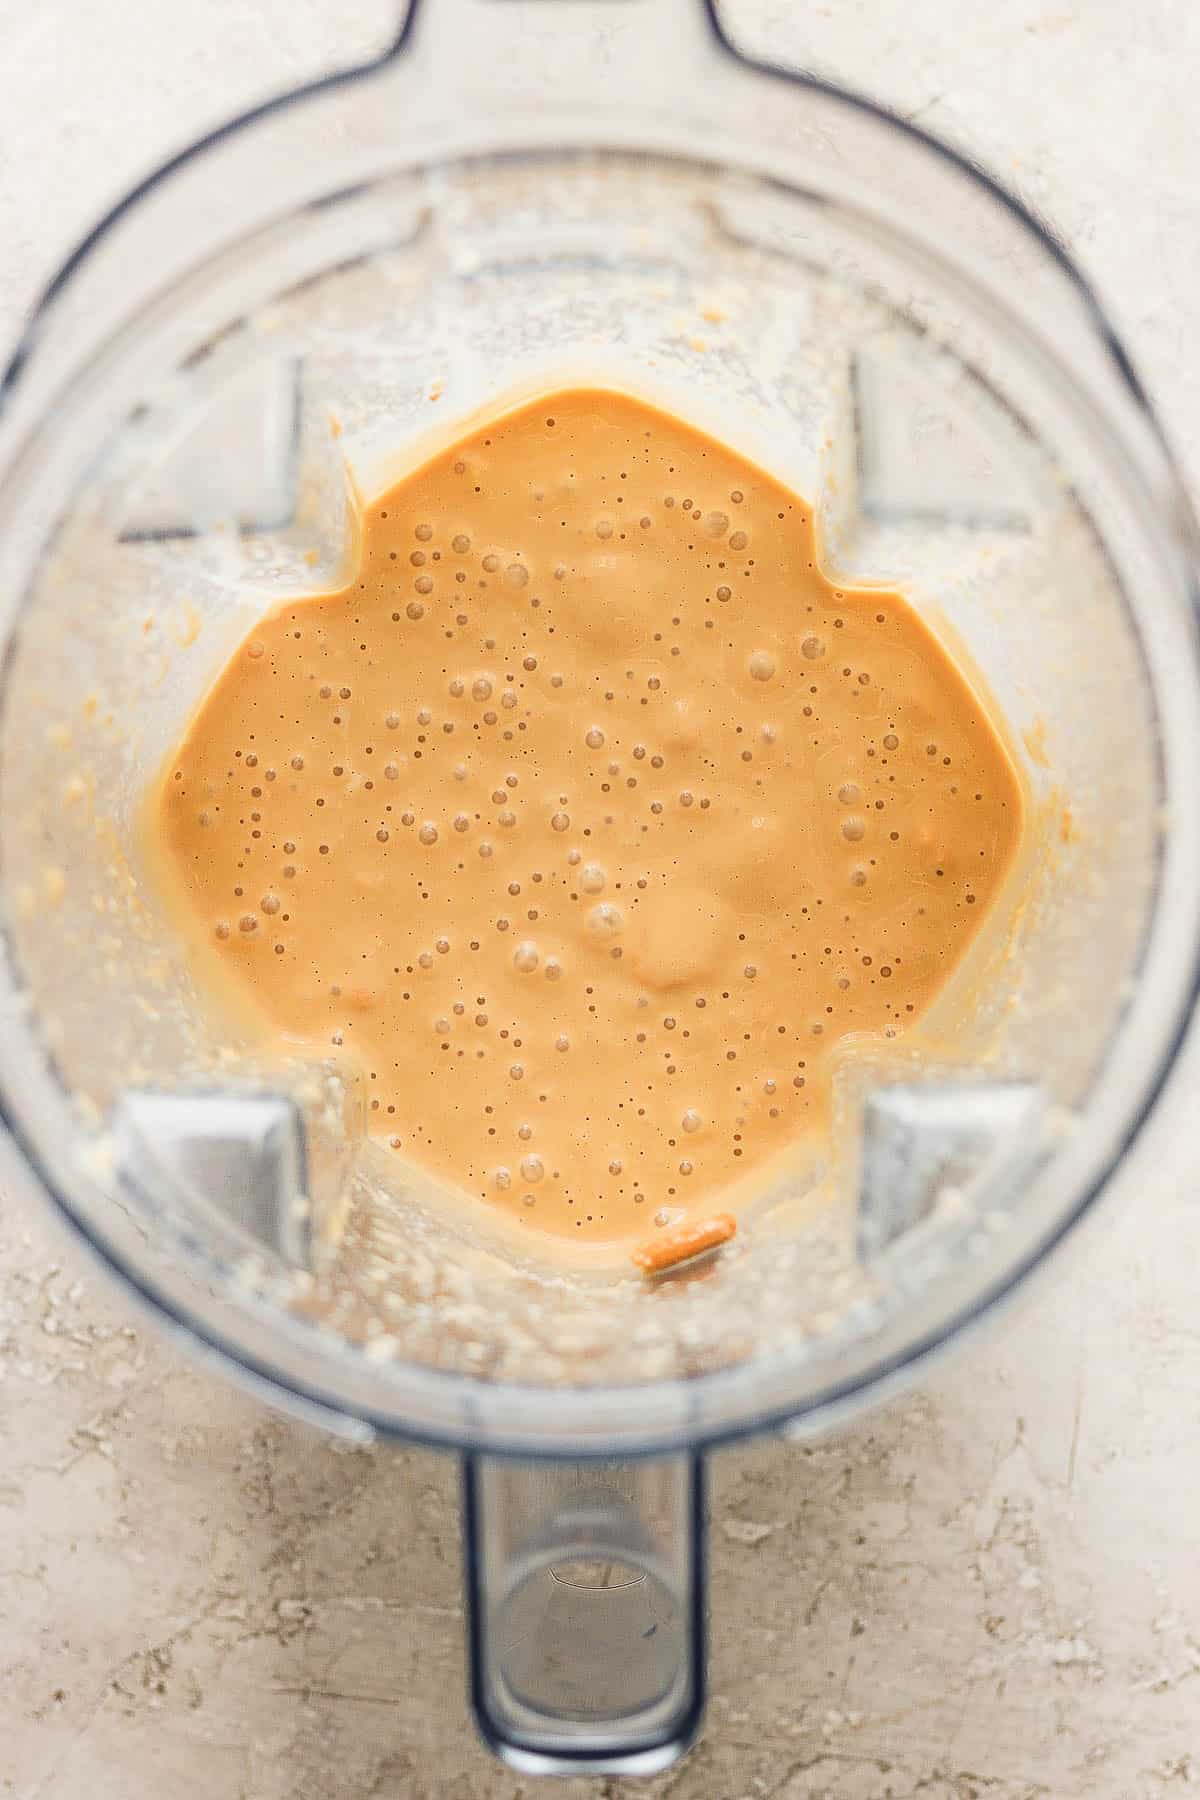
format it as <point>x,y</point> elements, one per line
<point>516,194</point>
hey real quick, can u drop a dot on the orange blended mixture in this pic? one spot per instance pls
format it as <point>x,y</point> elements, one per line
<point>591,816</point>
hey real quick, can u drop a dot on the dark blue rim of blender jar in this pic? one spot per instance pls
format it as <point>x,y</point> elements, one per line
<point>323,1408</point>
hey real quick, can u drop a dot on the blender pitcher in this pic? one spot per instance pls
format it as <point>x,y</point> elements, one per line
<point>517,193</point>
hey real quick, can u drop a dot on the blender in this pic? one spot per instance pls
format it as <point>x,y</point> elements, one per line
<point>521,193</point>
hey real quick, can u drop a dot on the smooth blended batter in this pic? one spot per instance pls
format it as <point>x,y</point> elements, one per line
<point>591,816</point>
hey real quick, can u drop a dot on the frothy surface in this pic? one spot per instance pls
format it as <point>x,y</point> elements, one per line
<point>591,816</point>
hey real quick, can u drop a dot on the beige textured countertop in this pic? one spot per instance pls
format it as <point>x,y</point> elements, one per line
<point>990,1591</point>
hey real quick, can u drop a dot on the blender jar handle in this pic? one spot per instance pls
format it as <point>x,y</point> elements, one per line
<point>585,1592</point>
